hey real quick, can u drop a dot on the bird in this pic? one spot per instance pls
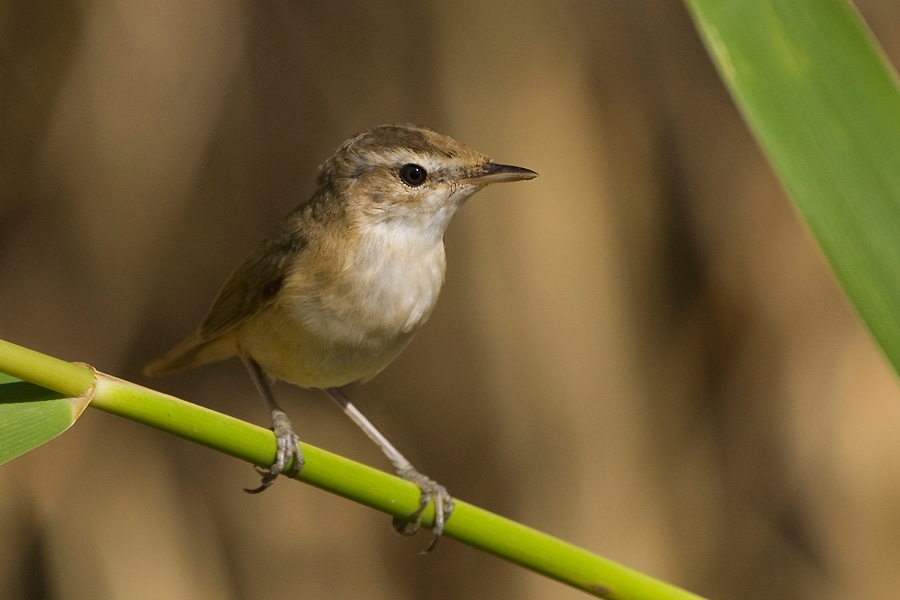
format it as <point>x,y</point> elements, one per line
<point>338,289</point>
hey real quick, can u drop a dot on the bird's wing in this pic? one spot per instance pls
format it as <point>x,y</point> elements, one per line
<point>253,286</point>
<point>255,283</point>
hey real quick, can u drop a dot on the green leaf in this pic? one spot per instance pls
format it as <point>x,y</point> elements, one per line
<point>824,104</point>
<point>31,416</point>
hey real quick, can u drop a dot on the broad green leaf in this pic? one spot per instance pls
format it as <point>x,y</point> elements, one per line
<point>819,95</point>
<point>31,416</point>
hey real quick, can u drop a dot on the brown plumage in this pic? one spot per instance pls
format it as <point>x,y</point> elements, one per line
<point>344,281</point>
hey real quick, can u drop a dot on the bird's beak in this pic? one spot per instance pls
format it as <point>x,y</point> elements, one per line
<point>494,173</point>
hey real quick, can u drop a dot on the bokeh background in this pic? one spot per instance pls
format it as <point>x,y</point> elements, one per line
<point>642,351</point>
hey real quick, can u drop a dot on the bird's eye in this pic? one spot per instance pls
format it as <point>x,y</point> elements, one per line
<point>413,174</point>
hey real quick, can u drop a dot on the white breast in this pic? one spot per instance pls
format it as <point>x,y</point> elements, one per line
<point>393,281</point>
<point>355,326</point>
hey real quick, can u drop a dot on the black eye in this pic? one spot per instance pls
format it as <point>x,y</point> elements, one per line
<point>413,174</point>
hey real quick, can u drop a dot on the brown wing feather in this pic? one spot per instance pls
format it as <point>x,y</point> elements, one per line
<point>254,285</point>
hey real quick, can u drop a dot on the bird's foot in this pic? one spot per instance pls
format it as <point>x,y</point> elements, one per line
<point>288,449</point>
<point>443,507</point>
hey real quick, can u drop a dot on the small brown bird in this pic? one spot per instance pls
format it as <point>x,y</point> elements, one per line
<point>337,291</point>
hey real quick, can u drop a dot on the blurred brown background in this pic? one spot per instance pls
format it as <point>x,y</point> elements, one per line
<point>641,351</point>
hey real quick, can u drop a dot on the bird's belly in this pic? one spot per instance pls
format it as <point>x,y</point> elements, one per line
<point>327,335</point>
<point>322,349</point>
<point>289,351</point>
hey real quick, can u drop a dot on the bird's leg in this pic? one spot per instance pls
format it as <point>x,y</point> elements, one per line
<point>288,442</point>
<point>431,490</point>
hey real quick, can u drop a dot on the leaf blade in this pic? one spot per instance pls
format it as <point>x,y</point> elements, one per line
<point>825,106</point>
<point>31,416</point>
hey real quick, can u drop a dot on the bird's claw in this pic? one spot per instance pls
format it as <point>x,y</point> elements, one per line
<point>443,507</point>
<point>288,449</point>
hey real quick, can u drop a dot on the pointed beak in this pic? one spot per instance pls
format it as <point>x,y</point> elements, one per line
<point>494,173</point>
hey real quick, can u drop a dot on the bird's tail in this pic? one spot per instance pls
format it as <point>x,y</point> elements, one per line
<point>192,352</point>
